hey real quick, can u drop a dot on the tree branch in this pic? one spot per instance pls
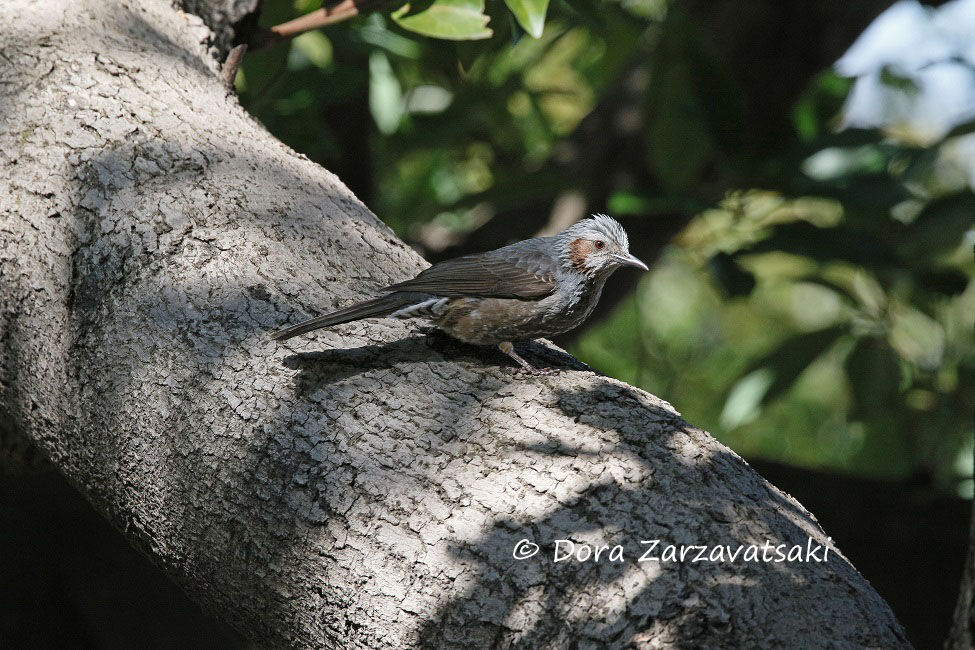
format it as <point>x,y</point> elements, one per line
<point>317,19</point>
<point>962,633</point>
<point>230,66</point>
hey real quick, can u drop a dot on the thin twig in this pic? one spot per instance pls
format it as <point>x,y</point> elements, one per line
<point>229,71</point>
<point>337,13</point>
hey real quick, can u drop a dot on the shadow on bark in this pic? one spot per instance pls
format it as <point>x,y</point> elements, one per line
<point>681,604</point>
<point>328,366</point>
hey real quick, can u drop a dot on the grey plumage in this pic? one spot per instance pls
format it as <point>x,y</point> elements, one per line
<point>533,288</point>
<point>522,270</point>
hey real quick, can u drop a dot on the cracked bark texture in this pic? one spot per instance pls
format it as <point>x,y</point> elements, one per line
<point>365,487</point>
<point>962,633</point>
<point>224,17</point>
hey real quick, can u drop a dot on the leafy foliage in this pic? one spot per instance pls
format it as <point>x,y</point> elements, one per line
<point>530,14</point>
<point>450,19</point>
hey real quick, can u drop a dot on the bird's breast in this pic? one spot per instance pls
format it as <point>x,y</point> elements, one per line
<point>488,321</point>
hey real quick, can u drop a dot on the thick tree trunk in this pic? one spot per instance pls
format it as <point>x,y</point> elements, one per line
<point>962,635</point>
<point>364,488</point>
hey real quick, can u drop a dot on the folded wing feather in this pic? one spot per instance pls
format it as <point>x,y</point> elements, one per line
<point>522,270</point>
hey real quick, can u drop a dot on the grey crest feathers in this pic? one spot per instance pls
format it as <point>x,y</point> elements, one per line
<point>598,226</point>
<point>596,246</point>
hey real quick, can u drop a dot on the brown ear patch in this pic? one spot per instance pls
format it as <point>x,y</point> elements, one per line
<point>579,251</point>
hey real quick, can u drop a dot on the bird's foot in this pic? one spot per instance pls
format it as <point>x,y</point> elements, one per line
<point>524,367</point>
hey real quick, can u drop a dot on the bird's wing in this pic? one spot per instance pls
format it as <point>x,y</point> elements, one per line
<point>522,270</point>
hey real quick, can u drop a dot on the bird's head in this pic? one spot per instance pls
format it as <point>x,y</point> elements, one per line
<point>596,246</point>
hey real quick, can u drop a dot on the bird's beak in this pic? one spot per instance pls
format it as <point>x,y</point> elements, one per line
<point>628,260</point>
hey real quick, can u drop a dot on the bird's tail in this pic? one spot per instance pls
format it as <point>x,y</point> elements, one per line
<point>382,306</point>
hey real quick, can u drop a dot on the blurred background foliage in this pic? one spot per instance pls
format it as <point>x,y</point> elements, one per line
<point>812,299</point>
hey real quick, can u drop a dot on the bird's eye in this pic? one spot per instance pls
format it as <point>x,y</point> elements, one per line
<point>600,243</point>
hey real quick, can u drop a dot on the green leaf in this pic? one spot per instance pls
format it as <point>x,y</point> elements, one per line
<point>313,46</point>
<point>458,20</point>
<point>745,399</point>
<point>530,14</point>
<point>385,94</point>
<point>960,129</point>
<point>792,357</point>
<point>892,79</point>
<point>939,228</point>
<point>875,375</point>
<point>624,202</point>
<point>834,287</point>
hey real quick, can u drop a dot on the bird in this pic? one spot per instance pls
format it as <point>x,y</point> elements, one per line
<point>530,289</point>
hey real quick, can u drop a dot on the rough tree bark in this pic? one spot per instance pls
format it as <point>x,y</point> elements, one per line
<point>363,488</point>
<point>962,635</point>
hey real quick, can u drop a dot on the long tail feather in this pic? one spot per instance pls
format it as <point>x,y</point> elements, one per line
<point>382,306</point>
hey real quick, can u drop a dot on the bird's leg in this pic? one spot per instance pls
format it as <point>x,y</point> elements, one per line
<point>508,348</point>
